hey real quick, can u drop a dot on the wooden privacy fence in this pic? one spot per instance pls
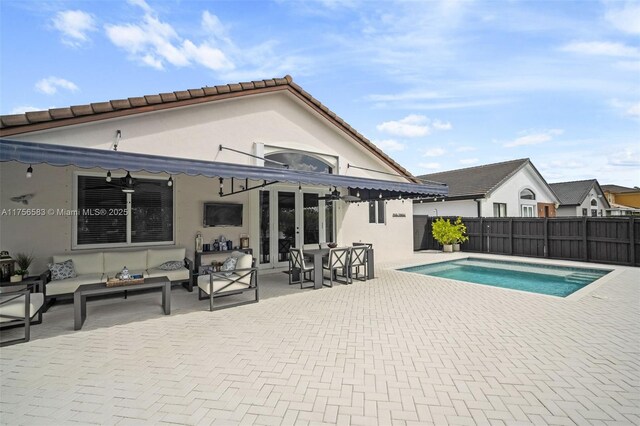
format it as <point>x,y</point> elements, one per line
<point>588,239</point>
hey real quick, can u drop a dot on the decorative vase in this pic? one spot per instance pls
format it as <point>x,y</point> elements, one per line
<point>456,247</point>
<point>447,248</point>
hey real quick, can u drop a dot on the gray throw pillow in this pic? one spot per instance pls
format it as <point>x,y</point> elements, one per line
<point>62,270</point>
<point>172,265</point>
<point>229,265</point>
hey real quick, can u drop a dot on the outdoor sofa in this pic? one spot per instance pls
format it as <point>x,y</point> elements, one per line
<point>97,267</point>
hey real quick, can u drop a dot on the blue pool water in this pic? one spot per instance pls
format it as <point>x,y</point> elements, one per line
<point>545,279</point>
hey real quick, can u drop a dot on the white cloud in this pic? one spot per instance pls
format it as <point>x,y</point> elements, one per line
<point>627,157</point>
<point>626,18</point>
<point>212,24</point>
<point>429,166</point>
<point>534,138</point>
<point>23,109</point>
<point>630,109</point>
<point>469,161</point>
<point>465,148</point>
<point>412,126</point>
<point>141,4</point>
<point>50,85</point>
<point>434,152</point>
<point>155,43</point>
<point>390,145</point>
<point>601,48</point>
<point>74,26</point>
<point>441,125</point>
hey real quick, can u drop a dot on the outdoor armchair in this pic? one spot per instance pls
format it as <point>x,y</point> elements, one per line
<point>297,265</point>
<point>218,284</point>
<point>18,307</point>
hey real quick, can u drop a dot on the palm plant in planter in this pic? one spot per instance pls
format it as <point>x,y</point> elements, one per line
<point>24,261</point>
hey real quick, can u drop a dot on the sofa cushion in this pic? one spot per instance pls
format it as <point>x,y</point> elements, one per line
<point>16,307</point>
<point>84,263</point>
<point>156,257</point>
<point>176,275</point>
<point>62,270</point>
<point>135,261</point>
<point>203,283</point>
<point>71,284</point>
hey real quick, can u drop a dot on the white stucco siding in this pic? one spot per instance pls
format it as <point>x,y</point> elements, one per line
<point>275,119</point>
<point>509,193</point>
<point>463,208</point>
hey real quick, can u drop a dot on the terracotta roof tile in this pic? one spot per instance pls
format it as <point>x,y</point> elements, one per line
<point>60,113</point>
<point>138,101</point>
<point>14,120</point>
<point>99,107</point>
<point>79,110</point>
<point>24,123</point>
<point>121,104</point>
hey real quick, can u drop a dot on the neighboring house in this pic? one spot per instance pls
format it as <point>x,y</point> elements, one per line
<point>227,144</point>
<point>580,198</point>
<point>512,188</point>
<point>623,200</point>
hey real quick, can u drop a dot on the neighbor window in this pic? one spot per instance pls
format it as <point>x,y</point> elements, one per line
<point>376,211</point>
<point>527,211</point>
<point>594,212</point>
<point>594,203</point>
<point>584,212</point>
<point>499,210</point>
<point>103,210</point>
<point>527,194</point>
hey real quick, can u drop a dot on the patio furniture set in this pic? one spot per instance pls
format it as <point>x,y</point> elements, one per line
<point>89,275</point>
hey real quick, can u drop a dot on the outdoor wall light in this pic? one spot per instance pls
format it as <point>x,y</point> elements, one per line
<point>380,196</point>
<point>29,172</point>
<point>118,136</point>
<point>108,175</point>
<point>170,181</point>
<point>299,187</point>
<point>358,194</point>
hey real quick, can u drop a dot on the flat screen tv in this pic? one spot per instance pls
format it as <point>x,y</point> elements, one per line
<point>222,214</point>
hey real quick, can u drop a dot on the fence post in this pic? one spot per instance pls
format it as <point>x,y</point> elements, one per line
<point>511,236</point>
<point>481,236</point>
<point>632,242</point>
<point>546,237</point>
<point>585,246</point>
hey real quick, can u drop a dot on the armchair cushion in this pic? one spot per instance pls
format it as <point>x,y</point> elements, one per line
<point>204,284</point>
<point>16,308</point>
<point>62,270</point>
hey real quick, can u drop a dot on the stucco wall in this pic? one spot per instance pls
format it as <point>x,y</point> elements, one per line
<point>464,208</point>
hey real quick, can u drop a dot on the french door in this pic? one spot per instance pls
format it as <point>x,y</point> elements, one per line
<point>292,218</point>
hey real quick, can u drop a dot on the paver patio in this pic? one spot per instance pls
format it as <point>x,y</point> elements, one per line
<point>402,349</point>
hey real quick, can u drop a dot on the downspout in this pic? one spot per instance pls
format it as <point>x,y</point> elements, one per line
<point>479,207</point>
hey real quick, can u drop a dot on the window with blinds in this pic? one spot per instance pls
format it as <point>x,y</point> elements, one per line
<point>103,210</point>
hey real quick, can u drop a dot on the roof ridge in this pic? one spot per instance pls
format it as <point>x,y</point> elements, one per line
<point>478,167</point>
<point>574,181</point>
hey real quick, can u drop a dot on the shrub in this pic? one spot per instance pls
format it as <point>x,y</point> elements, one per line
<point>444,231</point>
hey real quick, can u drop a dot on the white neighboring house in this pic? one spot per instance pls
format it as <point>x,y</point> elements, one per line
<point>170,144</point>
<point>580,198</point>
<point>508,189</point>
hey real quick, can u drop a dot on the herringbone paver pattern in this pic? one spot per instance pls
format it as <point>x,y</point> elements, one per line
<point>402,349</point>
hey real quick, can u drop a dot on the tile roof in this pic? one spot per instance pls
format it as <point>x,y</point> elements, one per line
<point>476,181</point>
<point>573,193</point>
<point>15,124</point>
<point>617,189</point>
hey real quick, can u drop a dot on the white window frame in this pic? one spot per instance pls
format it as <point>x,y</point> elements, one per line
<point>377,204</point>
<point>528,207</point>
<point>498,205</point>
<point>114,176</point>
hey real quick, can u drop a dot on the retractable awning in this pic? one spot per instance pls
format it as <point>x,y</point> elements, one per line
<point>61,155</point>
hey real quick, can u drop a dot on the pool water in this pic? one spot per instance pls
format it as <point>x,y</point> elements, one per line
<point>544,279</point>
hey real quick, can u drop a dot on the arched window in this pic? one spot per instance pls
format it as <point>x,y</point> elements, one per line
<point>594,202</point>
<point>527,194</point>
<point>299,161</point>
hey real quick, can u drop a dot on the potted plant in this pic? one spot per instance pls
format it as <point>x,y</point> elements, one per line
<point>461,237</point>
<point>24,261</point>
<point>17,276</point>
<point>445,233</point>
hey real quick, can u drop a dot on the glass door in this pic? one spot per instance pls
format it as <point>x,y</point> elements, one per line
<point>287,225</point>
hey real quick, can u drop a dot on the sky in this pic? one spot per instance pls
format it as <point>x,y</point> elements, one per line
<point>438,85</point>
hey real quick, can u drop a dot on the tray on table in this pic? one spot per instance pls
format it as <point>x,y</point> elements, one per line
<point>116,282</point>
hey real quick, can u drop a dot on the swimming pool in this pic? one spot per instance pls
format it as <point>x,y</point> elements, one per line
<point>535,278</point>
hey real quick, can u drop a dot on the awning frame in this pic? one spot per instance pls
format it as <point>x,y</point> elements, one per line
<point>82,157</point>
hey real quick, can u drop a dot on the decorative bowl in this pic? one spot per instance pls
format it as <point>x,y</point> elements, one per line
<point>332,245</point>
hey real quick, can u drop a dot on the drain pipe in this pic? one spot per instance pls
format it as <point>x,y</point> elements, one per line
<point>478,201</point>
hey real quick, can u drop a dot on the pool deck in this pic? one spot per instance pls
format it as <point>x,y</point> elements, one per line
<point>401,349</point>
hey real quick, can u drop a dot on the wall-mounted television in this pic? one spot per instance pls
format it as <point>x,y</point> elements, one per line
<point>222,214</point>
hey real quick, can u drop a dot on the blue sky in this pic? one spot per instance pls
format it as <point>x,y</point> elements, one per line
<point>437,84</point>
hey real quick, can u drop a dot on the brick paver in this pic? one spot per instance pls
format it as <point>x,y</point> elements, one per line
<point>401,349</point>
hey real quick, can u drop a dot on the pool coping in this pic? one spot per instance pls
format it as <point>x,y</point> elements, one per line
<point>614,271</point>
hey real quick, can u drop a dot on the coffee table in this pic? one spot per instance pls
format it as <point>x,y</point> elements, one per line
<point>80,296</point>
